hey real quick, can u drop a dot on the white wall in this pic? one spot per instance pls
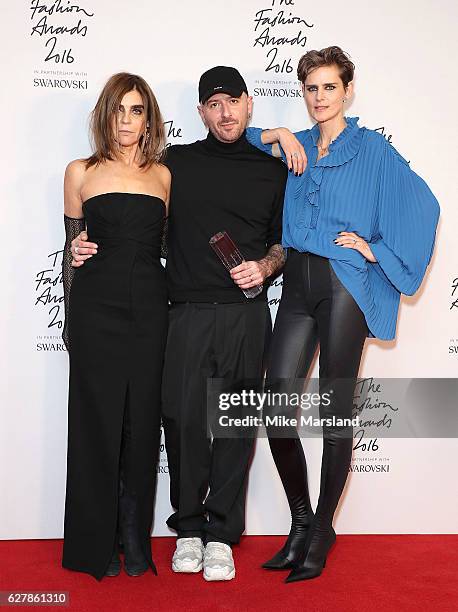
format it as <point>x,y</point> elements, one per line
<point>405,56</point>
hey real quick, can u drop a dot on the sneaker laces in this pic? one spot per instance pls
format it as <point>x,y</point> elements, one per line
<point>217,550</point>
<point>188,546</point>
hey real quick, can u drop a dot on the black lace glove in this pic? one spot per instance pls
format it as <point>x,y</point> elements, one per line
<point>73,227</point>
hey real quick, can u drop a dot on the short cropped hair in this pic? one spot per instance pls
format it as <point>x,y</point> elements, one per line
<point>326,57</point>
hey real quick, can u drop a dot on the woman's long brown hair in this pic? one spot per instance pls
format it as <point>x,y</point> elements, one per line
<point>104,144</point>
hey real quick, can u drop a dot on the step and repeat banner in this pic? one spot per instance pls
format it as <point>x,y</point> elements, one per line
<point>56,56</point>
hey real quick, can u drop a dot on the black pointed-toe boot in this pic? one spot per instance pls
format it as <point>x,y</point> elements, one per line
<point>289,458</point>
<point>314,562</point>
<point>337,450</point>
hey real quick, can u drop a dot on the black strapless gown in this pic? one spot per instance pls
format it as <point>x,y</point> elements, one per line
<point>117,330</point>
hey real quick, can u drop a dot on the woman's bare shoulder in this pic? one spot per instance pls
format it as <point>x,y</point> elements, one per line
<point>163,173</point>
<point>75,171</point>
<point>73,183</point>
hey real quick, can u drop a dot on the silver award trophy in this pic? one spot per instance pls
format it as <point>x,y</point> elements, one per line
<point>231,257</point>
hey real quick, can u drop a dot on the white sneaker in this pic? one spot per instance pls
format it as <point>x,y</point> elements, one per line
<point>188,555</point>
<point>218,562</point>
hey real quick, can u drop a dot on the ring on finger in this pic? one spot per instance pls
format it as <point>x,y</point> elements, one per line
<point>76,250</point>
<point>294,154</point>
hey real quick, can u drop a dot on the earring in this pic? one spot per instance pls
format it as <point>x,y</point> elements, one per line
<point>344,100</point>
<point>145,139</point>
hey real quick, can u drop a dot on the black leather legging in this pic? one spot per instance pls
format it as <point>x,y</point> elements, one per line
<point>316,309</point>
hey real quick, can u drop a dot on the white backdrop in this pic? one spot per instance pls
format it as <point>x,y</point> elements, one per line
<point>54,63</point>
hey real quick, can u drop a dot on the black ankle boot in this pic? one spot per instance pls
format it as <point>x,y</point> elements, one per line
<point>290,461</point>
<point>315,558</point>
<point>114,567</point>
<point>293,549</point>
<point>135,562</point>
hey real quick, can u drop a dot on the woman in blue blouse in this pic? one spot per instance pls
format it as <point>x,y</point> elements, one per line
<point>359,226</point>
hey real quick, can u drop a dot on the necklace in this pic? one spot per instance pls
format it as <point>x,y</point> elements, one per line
<point>325,150</point>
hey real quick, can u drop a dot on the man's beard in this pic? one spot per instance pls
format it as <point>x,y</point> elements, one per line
<point>220,135</point>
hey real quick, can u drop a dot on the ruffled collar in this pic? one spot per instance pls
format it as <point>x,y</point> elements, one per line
<point>342,150</point>
<point>344,147</point>
<point>351,124</point>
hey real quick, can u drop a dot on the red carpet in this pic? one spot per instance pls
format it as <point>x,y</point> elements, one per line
<point>376,573</point>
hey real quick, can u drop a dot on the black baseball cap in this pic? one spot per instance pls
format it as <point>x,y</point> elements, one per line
<point>221,79</point>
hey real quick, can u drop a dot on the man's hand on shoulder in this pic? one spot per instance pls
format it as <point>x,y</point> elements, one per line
<point>82,249</point>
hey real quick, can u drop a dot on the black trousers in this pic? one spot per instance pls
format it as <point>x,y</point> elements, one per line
<point>316,309</point>
<point>208,478</point>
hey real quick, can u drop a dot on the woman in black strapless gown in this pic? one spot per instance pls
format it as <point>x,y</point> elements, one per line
<point>117,328</point>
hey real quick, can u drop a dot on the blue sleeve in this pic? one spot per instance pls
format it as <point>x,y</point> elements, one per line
<point>253,136</point>
<point>407,219</point>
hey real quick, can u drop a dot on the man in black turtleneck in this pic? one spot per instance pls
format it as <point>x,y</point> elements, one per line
<point>220,183</point>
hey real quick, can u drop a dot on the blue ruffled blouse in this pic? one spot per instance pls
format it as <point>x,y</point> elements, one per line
<point>364,186</point>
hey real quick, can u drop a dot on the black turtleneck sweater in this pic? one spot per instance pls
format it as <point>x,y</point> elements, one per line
<point>215,187</point>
